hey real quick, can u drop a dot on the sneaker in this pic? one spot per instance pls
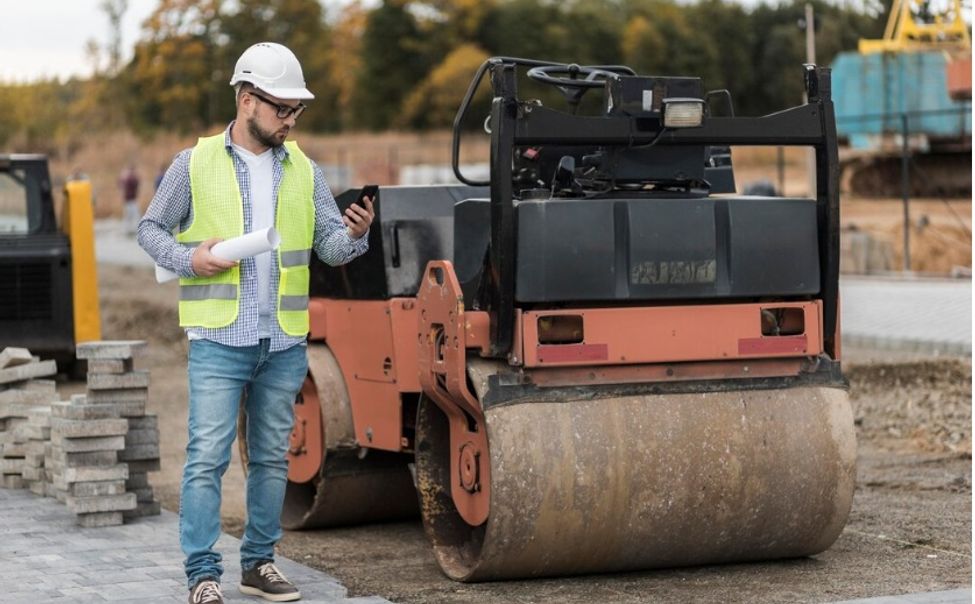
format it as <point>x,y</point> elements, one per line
<point>266,581</point>
<point>206,591</point>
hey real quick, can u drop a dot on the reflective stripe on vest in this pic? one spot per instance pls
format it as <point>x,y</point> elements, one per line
<point>296,258</point>
<point>213,302</point>
<point>208,292</point>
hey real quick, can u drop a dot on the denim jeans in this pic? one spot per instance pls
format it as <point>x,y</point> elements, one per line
<point>218,375</point>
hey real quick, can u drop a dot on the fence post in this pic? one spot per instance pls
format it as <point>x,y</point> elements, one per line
<point>905,191</point>
<point>780,157</point>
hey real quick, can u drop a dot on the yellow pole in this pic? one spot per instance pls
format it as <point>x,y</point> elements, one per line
<point>79,225</point>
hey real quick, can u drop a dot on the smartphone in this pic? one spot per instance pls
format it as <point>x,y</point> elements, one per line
<point>367,191</point>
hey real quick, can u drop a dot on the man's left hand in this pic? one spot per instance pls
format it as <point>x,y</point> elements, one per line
<point>358,218</point>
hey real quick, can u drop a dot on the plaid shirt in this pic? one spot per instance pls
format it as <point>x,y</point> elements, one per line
<point>172,207</point>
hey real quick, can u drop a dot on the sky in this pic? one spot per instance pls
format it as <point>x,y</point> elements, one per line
<point>47,38</point>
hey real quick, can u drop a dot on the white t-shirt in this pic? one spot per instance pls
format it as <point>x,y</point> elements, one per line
<point>261,171</point>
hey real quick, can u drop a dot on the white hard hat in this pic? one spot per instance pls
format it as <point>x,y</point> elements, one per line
<point>272,68</point>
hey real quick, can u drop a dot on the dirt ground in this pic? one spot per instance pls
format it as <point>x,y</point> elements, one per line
<point>910,528</point>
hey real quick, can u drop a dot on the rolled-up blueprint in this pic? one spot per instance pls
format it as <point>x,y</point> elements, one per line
<point>237,248</point>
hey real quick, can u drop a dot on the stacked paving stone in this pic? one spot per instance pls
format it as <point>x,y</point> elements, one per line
<point>112,381</point>
<point>82,462</point>
<point>24,403</point>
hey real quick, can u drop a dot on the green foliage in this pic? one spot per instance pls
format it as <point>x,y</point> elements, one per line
<point>433,103</point>
<point>407,64</point>
<point>393,63</point>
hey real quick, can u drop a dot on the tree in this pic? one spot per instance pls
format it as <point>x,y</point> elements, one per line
<point>393,62</point>
<point>170,80</point>
<point>434,103</point>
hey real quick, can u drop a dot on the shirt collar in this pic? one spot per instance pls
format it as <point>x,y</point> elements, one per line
<point>281,152</point>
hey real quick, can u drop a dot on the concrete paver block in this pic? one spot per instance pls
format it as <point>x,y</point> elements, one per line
<point>11,465</point>
<point>110,349</point>
<point>95,443</point>
<point>139,452</point>
<point>110,365</point>
<point>100,519</point>
<point>118,381</point>
<point>48,386</point>
<point>118,395</point>
<point>143,509</point>
<point>146,422</point>
<point>142,466</point>
<point>70,410</point>
<point>101,503</point>
<point>91,473</point>
<point>25,372</point>
<point>98,488</point>
<point>68,428</point>
<point>90,458</point>
<point>141,436</point>
<point>11,357</point>
<point>136,480</point>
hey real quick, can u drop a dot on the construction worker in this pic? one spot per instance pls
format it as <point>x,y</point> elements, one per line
<point>128,183</point>
<point>247,321</point>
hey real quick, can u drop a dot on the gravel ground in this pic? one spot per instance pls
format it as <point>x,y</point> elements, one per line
<point>909,530</point>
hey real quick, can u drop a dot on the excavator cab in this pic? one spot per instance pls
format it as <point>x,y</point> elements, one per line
<point>48,293</point>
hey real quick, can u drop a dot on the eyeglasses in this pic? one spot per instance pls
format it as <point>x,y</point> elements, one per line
<point>283,111</point>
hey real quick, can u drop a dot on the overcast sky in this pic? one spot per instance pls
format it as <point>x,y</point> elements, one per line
<point>45,38</point>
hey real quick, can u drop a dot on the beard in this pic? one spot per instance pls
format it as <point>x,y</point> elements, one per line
<point>266,138</point>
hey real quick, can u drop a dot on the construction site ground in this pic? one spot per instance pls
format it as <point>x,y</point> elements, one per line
<point>909,531</point>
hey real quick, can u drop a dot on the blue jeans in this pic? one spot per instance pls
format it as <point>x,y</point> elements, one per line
<point>218,375</point>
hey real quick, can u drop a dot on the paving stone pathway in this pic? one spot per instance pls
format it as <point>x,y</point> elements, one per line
<point>46,557</point>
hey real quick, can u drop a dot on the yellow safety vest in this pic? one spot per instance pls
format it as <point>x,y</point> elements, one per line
<point>218,211</point>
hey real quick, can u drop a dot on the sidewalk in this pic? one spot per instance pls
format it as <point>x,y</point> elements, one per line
<point>919,315</point>
<point>47,558</point>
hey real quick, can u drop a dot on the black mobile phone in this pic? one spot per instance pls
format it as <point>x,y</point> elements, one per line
<point>367,191</point>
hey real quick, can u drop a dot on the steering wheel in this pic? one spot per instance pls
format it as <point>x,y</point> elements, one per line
<point>575,80</point>
<point>568,76</point>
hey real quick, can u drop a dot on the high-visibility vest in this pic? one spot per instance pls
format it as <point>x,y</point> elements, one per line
<point>218,211</point>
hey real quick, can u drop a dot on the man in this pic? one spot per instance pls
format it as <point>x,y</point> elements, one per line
<point>246,321</point>
<point>128,182</point>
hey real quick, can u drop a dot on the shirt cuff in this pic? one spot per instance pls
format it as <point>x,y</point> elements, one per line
<point>358,246</point>
<point>183,261</point>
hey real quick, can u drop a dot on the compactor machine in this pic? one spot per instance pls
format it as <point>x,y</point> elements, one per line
<point>601,359</point>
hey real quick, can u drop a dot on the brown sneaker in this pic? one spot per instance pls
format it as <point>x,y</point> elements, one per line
<point>266,581</point>
<point>206,591</point>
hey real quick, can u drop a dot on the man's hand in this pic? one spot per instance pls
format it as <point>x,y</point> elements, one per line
<point>205,264</point>
<point>358,218</point>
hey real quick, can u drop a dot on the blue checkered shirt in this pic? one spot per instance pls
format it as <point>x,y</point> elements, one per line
<point>172,207</point>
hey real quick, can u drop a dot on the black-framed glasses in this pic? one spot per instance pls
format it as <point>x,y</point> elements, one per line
<point>283,111</point>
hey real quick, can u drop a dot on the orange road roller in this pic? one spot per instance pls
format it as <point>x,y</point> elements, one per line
<point>600,359</point>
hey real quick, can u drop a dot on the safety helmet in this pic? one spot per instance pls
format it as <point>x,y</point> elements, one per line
<point>272,68</point>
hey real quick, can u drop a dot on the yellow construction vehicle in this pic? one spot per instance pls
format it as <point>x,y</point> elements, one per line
<point>48,283</point>
<point>908,96</point>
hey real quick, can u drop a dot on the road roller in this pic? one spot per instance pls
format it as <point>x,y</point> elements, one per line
<point>599,359</point>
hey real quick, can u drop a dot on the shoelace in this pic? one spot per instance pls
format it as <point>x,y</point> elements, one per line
<point>271,573</point>
<point>208,591</point>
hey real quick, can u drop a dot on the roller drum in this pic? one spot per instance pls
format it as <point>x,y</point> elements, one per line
<point>649,481</point>
<point>351,485</point>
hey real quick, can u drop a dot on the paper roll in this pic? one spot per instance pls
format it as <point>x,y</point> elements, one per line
<point>237,248</point>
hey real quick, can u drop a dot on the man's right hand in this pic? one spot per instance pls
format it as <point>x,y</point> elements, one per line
<point>205,264</point>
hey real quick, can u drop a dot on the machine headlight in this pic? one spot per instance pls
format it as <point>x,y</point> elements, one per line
<point>683,113</point>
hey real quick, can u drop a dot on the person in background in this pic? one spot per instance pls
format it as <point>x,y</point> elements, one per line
<point>247,322</point>
<point>128,182</point>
